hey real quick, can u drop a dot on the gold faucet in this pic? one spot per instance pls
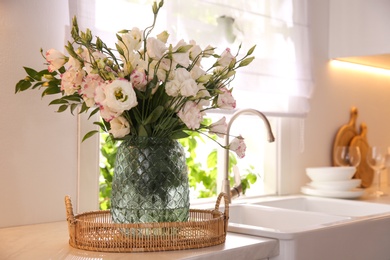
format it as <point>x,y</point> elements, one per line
<point>237,188</point>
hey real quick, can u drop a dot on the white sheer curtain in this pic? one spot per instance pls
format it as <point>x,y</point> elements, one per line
<point>278,82</point>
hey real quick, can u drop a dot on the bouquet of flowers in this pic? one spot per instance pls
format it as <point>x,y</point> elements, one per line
<point>144,87</point>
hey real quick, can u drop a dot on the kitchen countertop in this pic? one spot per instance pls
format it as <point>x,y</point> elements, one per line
<point>50,241</point>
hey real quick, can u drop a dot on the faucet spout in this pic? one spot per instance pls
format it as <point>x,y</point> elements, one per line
<point>237,189</point>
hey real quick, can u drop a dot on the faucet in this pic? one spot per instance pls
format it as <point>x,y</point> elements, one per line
<point>237,188</point>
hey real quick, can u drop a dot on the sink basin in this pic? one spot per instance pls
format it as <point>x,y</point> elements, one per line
<point>329,206</point>
<point>275,222</point>
<point>316,228</point>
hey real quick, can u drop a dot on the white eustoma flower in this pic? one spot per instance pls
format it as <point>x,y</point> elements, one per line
<point>197,72</point>
<point>188,88</point>
<point>120,95</point>
<point>155,48</point>
<point>190,115</point>
<point>172,88</point>
<point>219,128</point>
<point>120,127</point>
<point>226,100</point>
<point>238,146</point>
<point>195,52</point>
<point>131,40</point>
<point>56,59</point>
<point>181,58</point>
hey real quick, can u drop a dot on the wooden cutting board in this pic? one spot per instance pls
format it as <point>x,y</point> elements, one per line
<point>364,171</point>
<point>345,133</point>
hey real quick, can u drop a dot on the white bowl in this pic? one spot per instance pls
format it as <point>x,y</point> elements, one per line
<point>336,185</point>
<point>330,173</point>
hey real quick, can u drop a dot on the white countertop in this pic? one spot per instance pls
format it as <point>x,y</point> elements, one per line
<point>50,241</point>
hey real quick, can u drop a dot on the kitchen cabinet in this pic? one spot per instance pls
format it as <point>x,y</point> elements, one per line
<point>359,33</point>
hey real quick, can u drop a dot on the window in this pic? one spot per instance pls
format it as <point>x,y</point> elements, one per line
<point>277,83</point>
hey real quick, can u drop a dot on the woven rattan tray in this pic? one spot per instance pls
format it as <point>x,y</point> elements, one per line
<point>95,231</point>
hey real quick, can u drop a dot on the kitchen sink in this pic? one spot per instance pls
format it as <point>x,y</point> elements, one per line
<point>316,228</point>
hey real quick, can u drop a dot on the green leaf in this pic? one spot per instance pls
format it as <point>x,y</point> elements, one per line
<point>32,73</point>
<point>93,112</point>
<point>73,107</point>
<point>62,108</point>
<point>76,98</point>
<point>155,115</point>
<point>179,135</point>
<point>101,125</point>
<point>51,91</point>
<point>22,85</point>
<point>142,131</point>
<point>58,102</point>
<point>167,123</point>
<point>37,84</point>
<point>89,134</point>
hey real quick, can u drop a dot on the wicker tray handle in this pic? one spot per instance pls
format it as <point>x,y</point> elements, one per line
<point>226,212</point>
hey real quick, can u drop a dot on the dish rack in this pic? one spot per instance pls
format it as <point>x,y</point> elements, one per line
<point>95,231</point>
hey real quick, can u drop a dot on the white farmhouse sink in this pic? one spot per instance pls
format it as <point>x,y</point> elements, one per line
<point>316,228</point>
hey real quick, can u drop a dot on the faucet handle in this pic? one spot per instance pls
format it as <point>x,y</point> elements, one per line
<point>237,175</point>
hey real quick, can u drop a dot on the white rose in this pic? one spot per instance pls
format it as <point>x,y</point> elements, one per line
<point>120,96</point>
<point>55,59</point>
<point>190,115</point>
<point>155,48</point>
<point>120,127</point>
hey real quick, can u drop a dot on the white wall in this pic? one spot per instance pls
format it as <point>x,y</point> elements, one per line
<point>336,90</point>
<point>38,158</point>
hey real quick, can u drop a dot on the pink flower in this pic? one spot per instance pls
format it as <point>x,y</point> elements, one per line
<point>226,100</point>
<point>190,115</point>
<point>219,128</point>
<point>55,59</point>
<point>226,58</point>
<point>138,79</point>
<point>238,146</point>
<point>88,88</point>
<point>71,81</point>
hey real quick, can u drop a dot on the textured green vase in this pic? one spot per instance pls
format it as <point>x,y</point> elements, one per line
<point>150,182</point>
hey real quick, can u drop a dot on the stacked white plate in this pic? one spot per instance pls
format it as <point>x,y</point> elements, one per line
<point>333,182</point>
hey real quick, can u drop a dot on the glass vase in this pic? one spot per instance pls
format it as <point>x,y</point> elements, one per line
<point>150,182</point>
